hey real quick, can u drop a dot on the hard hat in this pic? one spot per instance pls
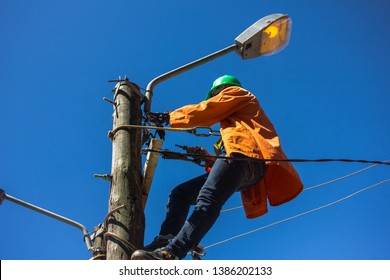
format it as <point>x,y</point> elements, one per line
<point>223,80</point>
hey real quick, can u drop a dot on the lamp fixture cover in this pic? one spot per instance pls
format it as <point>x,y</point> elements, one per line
<point>267,36</point>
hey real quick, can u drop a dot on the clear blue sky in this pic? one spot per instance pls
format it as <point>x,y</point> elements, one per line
<point>327,94</point>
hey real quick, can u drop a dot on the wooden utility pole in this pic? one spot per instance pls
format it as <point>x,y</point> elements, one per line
<point>126,221</point>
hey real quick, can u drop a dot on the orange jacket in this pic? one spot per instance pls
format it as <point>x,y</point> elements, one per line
<point>245,129</point>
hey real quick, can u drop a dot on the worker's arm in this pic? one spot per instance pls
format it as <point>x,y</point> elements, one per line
<point>211,111</point>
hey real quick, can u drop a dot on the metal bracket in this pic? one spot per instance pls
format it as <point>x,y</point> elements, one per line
<point>107,177</point>
<point>109,101</point>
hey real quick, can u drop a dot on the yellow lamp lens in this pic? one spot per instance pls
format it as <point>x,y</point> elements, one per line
<point>272,31</point>
<point>276,36</point>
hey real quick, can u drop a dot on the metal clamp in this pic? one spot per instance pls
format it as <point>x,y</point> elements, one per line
<point>210,131</point>
<point>198,252</point>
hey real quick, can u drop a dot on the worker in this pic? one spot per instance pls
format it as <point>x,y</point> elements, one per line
<point>247,134</point>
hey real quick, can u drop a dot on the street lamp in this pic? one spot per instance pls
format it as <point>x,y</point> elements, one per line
<point>267,36</point>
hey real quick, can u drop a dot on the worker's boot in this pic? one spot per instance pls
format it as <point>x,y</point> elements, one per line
<point>158,254</point>
<point>158,242</point>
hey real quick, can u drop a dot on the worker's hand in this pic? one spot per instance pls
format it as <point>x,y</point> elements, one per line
<point>159,119</point>
<point>197,151</point>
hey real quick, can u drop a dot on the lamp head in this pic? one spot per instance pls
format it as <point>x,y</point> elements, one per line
<point>267,36</point>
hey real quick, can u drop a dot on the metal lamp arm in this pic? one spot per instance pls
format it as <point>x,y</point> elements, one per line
<point>180,70</point>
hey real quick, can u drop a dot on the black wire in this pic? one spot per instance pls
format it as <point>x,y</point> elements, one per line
<point>280,160</point>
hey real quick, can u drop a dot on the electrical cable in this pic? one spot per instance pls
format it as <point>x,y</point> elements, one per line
<point>343,177</point>
<point>297,216</point>
<point>319,185</point>
<point>273,160</point>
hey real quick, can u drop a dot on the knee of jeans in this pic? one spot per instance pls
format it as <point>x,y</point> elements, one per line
<point>177,194</point>
<point>206,210</point>
<point>207,203</point>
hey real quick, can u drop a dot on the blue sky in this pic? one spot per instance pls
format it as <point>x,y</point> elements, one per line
<point>326,93</point>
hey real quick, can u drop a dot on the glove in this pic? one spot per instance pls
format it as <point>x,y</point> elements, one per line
<point>197,150</point>
<point>159,119</point>
<point>208,162</point>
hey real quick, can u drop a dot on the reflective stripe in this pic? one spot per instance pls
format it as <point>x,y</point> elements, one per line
<point>219,147</point>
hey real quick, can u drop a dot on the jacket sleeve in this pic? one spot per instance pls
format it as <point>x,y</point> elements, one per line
<point>212,111</point>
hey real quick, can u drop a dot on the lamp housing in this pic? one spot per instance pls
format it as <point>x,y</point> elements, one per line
<point>267,36</point>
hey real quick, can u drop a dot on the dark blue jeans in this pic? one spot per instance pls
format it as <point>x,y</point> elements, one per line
<point>208,193</point>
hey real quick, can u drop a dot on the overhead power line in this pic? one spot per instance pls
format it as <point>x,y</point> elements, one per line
<point>319,185</point>
<point>297,216</point>
<point>212,157</point>
<point>307,212</point>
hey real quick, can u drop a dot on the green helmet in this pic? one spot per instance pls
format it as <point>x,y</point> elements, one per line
<point>223,80</point>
